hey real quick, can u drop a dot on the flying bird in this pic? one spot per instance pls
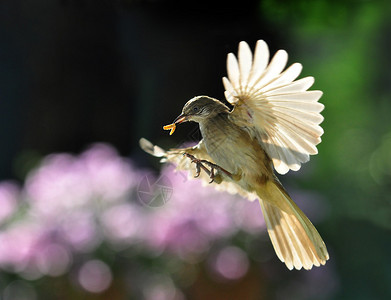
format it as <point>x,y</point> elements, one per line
<point>273,125</point>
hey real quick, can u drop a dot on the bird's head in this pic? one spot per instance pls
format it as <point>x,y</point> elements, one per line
<point>199,109</point>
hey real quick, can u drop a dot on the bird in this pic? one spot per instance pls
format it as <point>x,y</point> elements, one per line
<point>271,125</point>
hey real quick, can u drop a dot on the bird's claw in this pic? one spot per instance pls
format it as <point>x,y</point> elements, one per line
<point>200,165</point>
<point>198,169</point>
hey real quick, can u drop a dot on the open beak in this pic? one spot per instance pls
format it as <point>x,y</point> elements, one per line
<point>180,119</point>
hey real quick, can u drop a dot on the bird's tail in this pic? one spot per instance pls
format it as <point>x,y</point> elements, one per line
<point>296,241</point>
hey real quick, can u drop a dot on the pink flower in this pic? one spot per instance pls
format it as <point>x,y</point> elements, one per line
<point>109,175</point>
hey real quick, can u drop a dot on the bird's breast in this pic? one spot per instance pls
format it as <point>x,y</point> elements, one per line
<point>233,149</point>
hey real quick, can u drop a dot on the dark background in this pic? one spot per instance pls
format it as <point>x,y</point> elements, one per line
<point>77,72</point>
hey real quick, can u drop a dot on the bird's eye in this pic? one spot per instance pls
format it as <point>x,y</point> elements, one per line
<point>195,109</point>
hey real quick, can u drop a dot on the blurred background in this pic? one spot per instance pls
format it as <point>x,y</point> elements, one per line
<point>85,214</point>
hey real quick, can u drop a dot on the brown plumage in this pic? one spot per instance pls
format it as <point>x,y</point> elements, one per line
<point>274,125</point>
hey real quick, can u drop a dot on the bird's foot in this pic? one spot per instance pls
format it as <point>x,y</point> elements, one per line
<point>213,168</point>
<point>200,164</point>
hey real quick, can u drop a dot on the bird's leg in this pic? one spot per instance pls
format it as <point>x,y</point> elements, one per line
<point>211,173</point>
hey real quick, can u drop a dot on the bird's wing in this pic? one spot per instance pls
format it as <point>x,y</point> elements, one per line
<point>183,163</point>
<point>273,106</point>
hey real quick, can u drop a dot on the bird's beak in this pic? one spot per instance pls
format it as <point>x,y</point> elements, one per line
<point>180,119</point>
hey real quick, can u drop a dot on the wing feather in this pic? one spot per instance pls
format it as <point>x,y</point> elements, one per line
<point>287,112</point>
<point>230,92</point>
<point>273,106</point>
<point>233,71</point>
<point>305,97</point>
<point>285,78</point>
<point>300,85</point>
<point>275,67</point>
<point>261,59</point>
<point>245,62</point>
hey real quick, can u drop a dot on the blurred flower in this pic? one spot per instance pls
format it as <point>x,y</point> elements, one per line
<point>122,223</point>
<point>66,195</point>
<point>31,250</point>
<point>189,222</point>
<point>95,276</point>
<point>109,175</point>
<point>230,263</point>
<point>248,216</point>
<point>79,230</point>
<point>53,260</point>
<point>82,206</point>
<point>17,244</point>
<point>64,182</point>
<point>57,186</point>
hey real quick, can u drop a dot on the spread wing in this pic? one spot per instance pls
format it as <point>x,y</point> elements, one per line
<point>183,163</point>
<point>273,106</point>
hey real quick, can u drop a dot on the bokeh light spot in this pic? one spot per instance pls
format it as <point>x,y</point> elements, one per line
<point>95,276</point>
<point>54,260</point>
<point>230,263</point>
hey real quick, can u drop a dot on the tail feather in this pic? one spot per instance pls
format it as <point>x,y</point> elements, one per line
<point>296,241</point>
